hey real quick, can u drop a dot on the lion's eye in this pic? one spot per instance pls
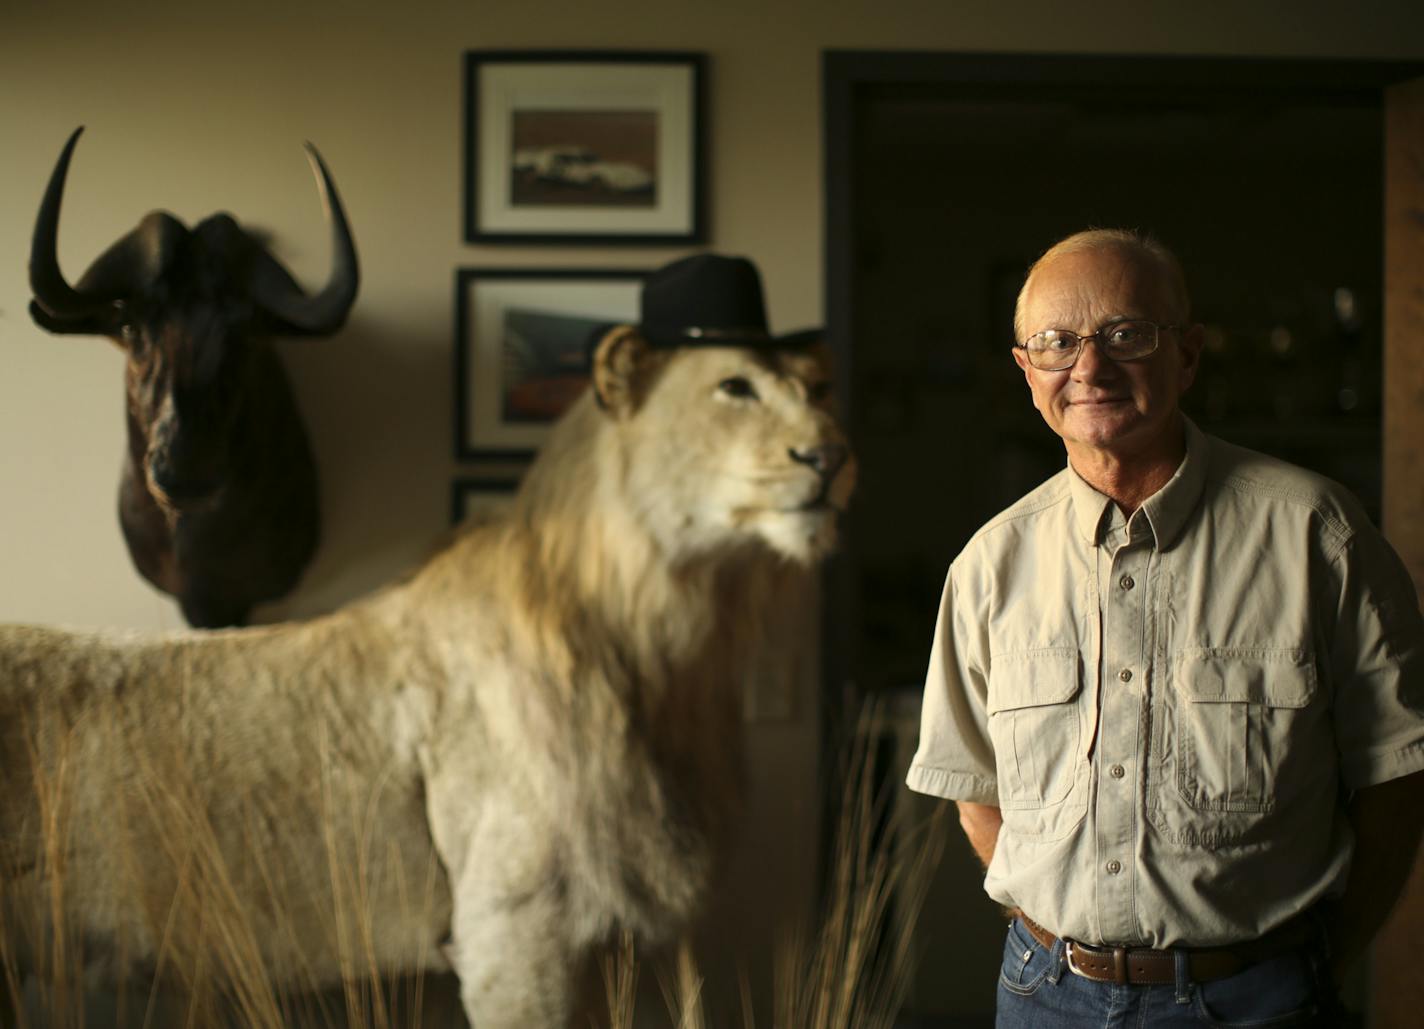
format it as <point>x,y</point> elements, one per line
<point>739,387</point>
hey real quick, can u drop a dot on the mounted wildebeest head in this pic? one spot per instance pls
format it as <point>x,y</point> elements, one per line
<point>218,498</point>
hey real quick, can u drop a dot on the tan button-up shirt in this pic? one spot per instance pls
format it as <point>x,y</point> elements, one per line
<point>1170,709</point>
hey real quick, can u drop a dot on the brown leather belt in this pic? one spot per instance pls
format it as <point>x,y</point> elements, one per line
<point>1142,966</point>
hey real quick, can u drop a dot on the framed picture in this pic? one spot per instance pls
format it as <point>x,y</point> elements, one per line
<point>584,147</point>
<point>523,342</point>
<point>480,499</point>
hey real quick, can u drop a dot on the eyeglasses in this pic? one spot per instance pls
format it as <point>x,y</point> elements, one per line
<point>1054,350</point>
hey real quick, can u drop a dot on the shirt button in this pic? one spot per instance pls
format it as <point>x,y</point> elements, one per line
<point>1126,582</point>
<point>1114,867</point>
<point>1117,771</point>
<point>1125,675</point>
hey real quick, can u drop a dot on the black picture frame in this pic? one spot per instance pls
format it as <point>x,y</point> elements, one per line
<point>467,491</point>
<point>522,338</point>
<point>646,107</point>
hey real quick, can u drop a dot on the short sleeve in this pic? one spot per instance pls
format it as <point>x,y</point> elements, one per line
<point>955,758</point>
<point>1377,664</point>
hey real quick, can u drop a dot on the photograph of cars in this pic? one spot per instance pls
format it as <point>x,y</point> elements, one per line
<point>545,358</point>
<point>590,158</point>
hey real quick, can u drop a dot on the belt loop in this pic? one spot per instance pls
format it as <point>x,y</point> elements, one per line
<point>1183,976</point>
<point>1056,962</point>
<point>1119,956</point>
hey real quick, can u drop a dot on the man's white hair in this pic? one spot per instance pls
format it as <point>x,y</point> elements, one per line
<point>1145,248</point>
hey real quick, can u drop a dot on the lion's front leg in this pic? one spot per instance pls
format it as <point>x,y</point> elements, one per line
<point>513,954</point>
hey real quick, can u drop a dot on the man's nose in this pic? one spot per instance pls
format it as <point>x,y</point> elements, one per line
<point>1092,363</point>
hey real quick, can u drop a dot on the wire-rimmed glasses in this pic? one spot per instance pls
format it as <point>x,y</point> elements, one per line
<point>1055,350</point>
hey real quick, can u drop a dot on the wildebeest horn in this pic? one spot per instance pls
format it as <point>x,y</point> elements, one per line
<point>325,312</point>
<point>53,293</point>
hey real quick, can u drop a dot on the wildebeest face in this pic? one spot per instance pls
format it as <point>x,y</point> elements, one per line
<point>183,398</point>
<point>186,335</point>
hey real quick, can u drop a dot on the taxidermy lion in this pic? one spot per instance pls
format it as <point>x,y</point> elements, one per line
<point>489,767</point>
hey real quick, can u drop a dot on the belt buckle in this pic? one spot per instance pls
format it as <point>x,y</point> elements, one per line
<point>1068,949</point>
<point>1119,956</point>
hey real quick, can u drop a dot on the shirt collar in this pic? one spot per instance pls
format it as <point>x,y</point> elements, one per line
<point>1090,508</point>
<point>1165,512</point>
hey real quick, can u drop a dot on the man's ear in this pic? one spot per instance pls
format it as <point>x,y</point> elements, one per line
<point>620,366</point>
<point>1021,359</point>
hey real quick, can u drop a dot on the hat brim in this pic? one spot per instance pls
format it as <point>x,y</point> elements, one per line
<point>802,337</point>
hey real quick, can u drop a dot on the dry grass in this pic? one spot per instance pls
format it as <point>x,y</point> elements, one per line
<point>210,964</point>
<point>852,968</point>
<point>848,971</point>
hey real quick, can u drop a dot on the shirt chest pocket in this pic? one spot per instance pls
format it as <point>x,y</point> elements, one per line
<point>1035,725</point>
<point>1236,717</point>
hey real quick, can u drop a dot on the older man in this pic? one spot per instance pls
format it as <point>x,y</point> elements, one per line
<point>1177,690</point>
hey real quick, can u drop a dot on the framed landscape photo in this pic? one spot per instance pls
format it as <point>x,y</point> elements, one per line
<point>576,146</point>
<point>479,499</point>
<point>523,341</point>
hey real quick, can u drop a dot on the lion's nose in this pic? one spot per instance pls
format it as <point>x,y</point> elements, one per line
<point>826,459</point>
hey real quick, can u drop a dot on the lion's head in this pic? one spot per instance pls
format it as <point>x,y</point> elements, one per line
<point>725,445</point>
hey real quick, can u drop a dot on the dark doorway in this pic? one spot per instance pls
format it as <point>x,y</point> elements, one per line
<point>948,174</point>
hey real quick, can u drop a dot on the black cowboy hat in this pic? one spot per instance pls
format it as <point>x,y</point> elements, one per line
<point>710,300</point>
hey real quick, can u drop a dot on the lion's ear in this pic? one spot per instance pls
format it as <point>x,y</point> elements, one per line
<point>620,365</point>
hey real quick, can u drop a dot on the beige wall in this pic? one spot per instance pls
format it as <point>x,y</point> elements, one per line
<point>197,108</point>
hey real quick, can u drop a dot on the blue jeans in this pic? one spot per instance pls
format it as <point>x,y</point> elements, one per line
<point>1037,991</point>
